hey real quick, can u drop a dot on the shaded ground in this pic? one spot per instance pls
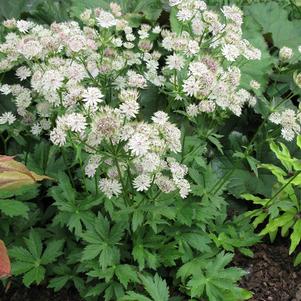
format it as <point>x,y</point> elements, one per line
<point>272,276</point>
<point>38,294</point>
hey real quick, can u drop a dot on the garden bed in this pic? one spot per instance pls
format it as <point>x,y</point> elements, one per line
<point>271,277</point>
<point>271,274</point>
<point>145,146</point>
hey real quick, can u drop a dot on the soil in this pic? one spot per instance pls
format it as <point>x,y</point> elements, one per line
<point>271,277</point>
<point>271,274</point>
<point>38,294</point>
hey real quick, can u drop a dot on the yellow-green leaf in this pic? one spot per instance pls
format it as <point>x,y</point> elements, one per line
<point>295,236</point>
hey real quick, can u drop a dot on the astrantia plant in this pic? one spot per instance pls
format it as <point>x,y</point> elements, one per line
<point>128,121</point>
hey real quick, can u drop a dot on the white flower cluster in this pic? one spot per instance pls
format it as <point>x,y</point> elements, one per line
<point>203,56</point>
<point>285,53</point>
<point>146,148</point>
<point>68,70</point>
<point>7,118</point>
<point>83,84</point>
<point>68,66</point>
<point>290,122</point>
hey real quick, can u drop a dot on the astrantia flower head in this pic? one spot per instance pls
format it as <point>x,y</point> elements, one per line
<point>92,97</point>
<point>160,118</point>
<point>8,118</point>
<point>142,182</point>
<point>174,62</point>
<point>110,187</point>
<point>24,26</point>
<point>285,53</point>
<point>105,19</point>
<point>23,72</point>
<point>233,13</point>
<point>289,121</point>
<point>254,84</point>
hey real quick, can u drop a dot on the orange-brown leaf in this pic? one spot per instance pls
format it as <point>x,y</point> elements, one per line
<point>5,269</point>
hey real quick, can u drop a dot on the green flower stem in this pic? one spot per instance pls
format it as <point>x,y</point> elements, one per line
<point>226,177</point>
<point>283,187</point>
<point>83,174</point>
<point>68,168</point>
<point>115,158</point>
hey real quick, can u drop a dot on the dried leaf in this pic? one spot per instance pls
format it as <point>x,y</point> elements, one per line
<point>14,174</point>
<point>5,269</point>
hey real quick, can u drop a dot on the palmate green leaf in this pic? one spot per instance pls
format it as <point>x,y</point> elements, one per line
<point>214,140</point>
<point>30,261</point>
<point>65,188</point>
<point>156,287</point>
<point>132,296</point>
<point>46,159</point>
<point>197,285</point>
<point>36,275</point>
<point>74,212</point>
<point>21,267</point>
<point>175,24</point>
<point>198,241</point>
<point>109,256</point>
<point>253,164</point>
<point>144,257</point>
<point>53,250</point>
<point>78,219</point>
<point>150,8</point>
<point>57,283</point>
<point>21,254</point>
<point>96,290</point>
<point>77,6</point>
<point>91,251</point>
<point>214,280</point>
<point>253,70</point>
<point>274,19</point>
<point>14,8</point>
<point>101,241</point>
<point>241,179</point>
<point>125,274</point>
<point>34,244</point>
<point>14,208</point>
<point>192,267</point>
<point>137,219</point>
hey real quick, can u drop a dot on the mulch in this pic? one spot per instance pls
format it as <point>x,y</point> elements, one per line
<point>271,274</point>
<point>271,277</point>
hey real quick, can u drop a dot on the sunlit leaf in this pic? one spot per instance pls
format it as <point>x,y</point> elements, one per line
<point>14,174</point>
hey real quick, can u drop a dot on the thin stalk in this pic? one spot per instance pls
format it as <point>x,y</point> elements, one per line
<point>119,173</point>
<point>283,187</point>
<point>83,174</point>
<point>226,177</point>
<point>68,168</point>
<point>96,183</point>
